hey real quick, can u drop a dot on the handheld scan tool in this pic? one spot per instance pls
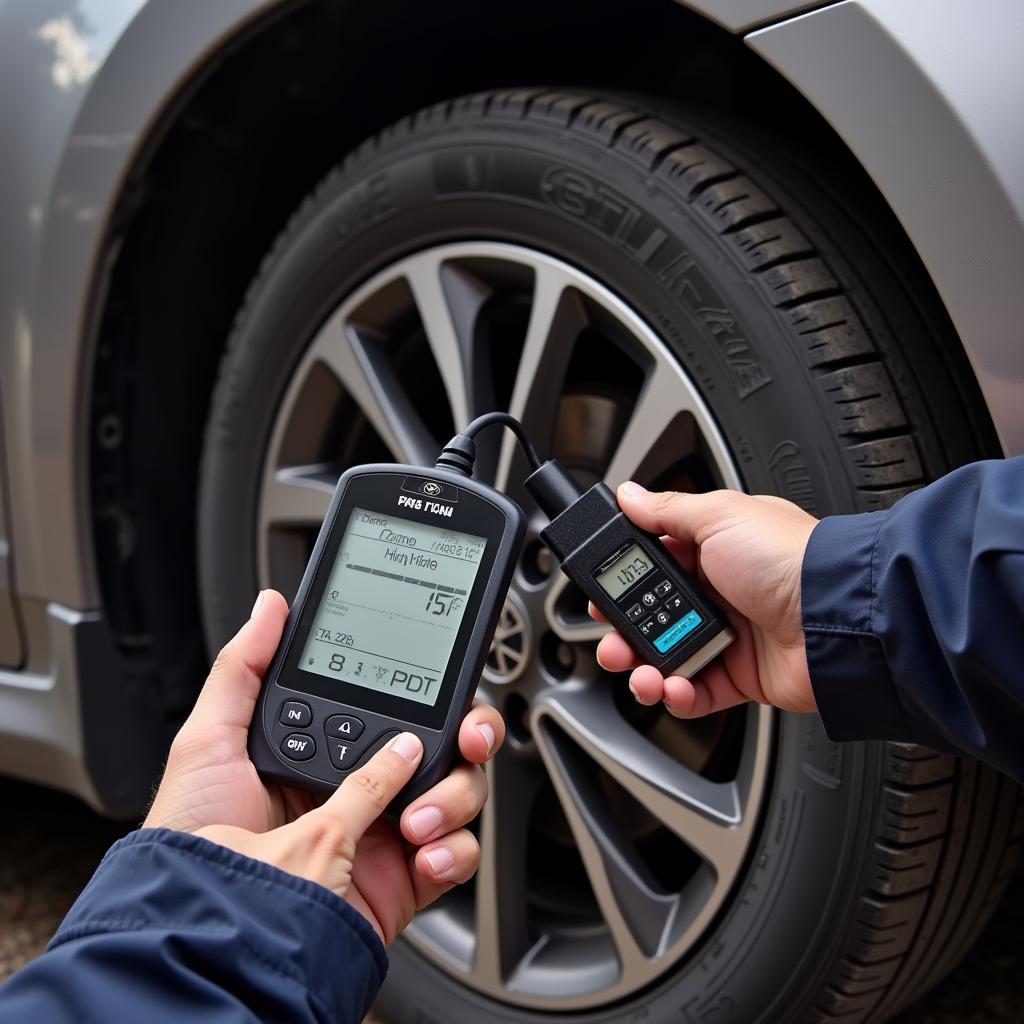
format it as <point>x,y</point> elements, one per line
<point>628,574</point>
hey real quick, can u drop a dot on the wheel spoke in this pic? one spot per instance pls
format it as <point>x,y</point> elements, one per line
<point>663,398</point>
<point>557,316</point>
<point>706,815</point>
<point>297,496</point>
<point>503,938</point>
<point>584,630</point>
<point>363,369</point>
<point>449,302</point>
<point>638,913</point>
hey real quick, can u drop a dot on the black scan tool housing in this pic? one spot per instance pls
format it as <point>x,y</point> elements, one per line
<point>310,730</point>
<point>653,601</point>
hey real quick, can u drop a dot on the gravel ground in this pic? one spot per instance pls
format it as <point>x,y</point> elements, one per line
<point>54,842</point>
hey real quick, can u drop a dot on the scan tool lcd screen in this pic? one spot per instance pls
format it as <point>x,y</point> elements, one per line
<point>392,606</point>
<point>624,572</point>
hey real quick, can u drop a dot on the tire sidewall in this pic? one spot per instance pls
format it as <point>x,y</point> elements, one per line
<point>767,956</point>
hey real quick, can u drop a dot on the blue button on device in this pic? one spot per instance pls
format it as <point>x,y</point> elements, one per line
<point>686,625</point>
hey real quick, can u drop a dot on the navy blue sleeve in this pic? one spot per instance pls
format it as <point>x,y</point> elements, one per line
<point>173,928</point>
<point>914,617</point>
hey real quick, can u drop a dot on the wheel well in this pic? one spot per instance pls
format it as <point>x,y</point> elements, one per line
<point>244,143</point>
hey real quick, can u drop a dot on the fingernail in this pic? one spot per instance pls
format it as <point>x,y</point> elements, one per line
<point>632,489</point>
<point>439,859</point>
<point>488,734</point>
<point>425,821</point>
<point>635,694</point>
<point>256,606</point>
<point>408,746</point>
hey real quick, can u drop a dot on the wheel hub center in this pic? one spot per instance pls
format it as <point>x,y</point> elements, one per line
<point>511,647</point>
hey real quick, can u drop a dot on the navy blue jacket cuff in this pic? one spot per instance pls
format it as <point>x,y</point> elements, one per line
<point>167,912</point>
<point>850,676</point>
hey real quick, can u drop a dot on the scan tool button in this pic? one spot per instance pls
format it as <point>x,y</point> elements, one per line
<point>298,747</point>
<point>663,588</point>
<point>646,628</point>
<point>686,625</point>
<point>294,712</point>
<point>364,755</point>
<point>344,753</point>
<point>635,613</point>
<point>343,728</point>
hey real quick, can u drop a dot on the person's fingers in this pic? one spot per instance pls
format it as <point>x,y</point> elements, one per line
<point>438,866</point>
<point>481,734</point>
<point>595,613</point>
<point>361,799</point>
<point>614,654</point>
<point>455,801</point>
<point>229,694</point>
<point>647,684</point>
<point>683,516</point>
<point>712,690</point>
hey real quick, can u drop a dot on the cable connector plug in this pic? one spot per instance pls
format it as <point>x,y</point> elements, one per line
<point>459,454</point>
<point>553,488</point>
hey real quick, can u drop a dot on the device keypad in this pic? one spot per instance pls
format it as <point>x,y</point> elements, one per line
<point>655,608</point>
<point>349,740</point>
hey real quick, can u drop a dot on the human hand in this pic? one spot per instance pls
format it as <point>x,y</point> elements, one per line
<point>747,550</point>
<point>211,788</point>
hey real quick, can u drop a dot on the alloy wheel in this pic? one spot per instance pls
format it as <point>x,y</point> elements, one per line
<point>614,833</point>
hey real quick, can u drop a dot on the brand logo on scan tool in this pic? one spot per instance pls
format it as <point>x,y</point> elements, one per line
<point>431,488</point>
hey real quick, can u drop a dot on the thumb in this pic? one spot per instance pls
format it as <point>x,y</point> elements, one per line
<point>364,796</point>
<point>229,694</point>
<point>687,517</point>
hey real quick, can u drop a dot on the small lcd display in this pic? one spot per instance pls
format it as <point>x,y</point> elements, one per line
<point>392,605</point>
<point>624,571</point>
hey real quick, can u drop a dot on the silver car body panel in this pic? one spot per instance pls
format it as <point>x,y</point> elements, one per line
<point>12,647</point>
<point>96,76</point>
<point>743,15</point>
<point>96,81</point>
<point>929,96</point>
<point>41,734</point>
<point>83,85</point>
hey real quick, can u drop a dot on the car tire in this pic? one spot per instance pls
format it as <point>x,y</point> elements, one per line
<point>833,381</point>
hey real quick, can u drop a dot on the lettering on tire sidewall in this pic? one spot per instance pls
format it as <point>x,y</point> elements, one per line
<point>717,349</point>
